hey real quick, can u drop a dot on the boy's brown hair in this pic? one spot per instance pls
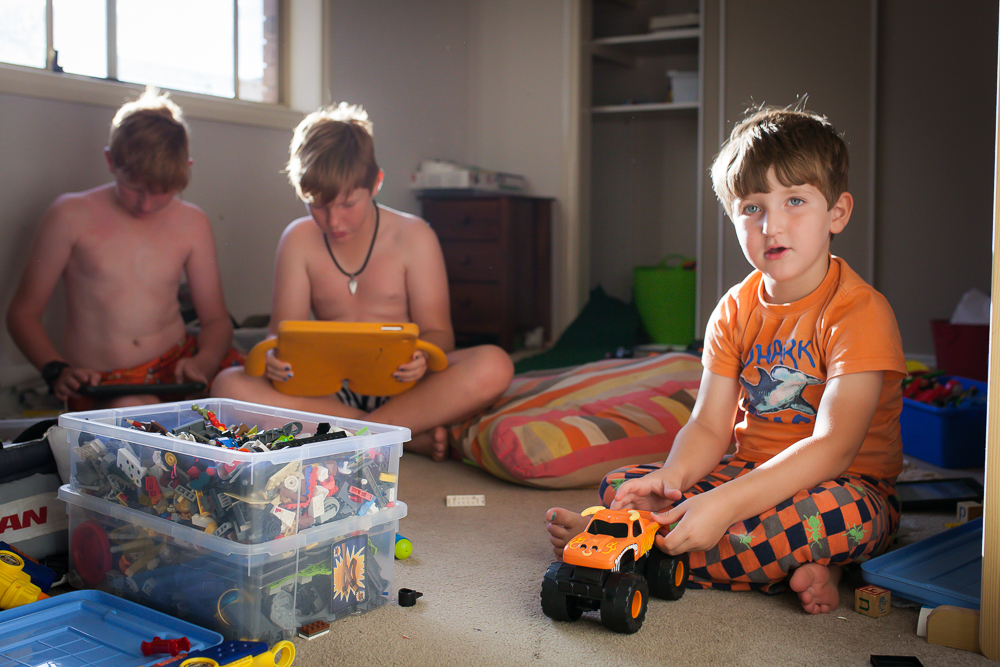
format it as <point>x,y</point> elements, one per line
<point>802,146</point>
<point>332,151</point>
<point>149,142</point>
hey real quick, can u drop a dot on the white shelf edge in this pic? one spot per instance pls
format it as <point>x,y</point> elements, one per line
<point>645,107</point>
<point>670,34</point>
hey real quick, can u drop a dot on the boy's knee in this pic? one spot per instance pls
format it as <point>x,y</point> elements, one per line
<point>496,367</point>
<point>226,383</point>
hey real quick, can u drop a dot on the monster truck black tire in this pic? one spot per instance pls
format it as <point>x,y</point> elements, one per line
<point>624,606</point>
<point>667,575</point>
<point>557,605</point>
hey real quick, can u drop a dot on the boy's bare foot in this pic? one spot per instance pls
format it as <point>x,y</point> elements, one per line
<point>817,587</point>
<point>432,444</point>
<point>563,525</point>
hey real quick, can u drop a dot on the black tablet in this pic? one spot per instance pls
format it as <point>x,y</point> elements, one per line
<point>113,390</point>
<point>938,494</point>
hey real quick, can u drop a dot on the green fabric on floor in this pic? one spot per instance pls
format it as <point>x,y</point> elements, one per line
<point>604,325</point>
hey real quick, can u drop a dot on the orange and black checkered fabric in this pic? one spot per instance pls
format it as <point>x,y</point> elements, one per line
<point>846,520</point>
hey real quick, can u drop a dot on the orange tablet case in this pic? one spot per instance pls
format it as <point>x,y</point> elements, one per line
<point>324,354</point>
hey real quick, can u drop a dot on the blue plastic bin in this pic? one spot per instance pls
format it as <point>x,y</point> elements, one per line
<point>943,569</point>
<point>89,628</point>
<point>946,437</point>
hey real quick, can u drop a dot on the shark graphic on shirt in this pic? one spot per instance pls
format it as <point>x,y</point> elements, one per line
<point>780,389</point>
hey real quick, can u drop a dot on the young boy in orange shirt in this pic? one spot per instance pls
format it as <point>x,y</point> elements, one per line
<point>813,356</point>
<point>353,260</point>
<point>122,250</point>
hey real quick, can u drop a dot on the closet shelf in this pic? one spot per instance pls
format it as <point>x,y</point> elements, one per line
<point>644,107</point>
<point>624,49</point>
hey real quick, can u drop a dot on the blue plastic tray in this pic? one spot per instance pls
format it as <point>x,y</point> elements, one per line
<point>89,628</point>
<point>944,569</point>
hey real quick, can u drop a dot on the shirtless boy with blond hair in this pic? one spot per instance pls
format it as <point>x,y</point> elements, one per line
<point>813,356</point>
<point>122,250</point>
<point>353,260</point>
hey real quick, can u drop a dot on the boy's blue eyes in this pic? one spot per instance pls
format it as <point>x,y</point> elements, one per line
<point>751,209</point>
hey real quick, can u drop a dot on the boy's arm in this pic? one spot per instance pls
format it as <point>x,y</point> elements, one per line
<point>47,258</point>
<point>842,421</point>
<point>215,329</point>
<point>696,450</point>
<point>292,294</point>
<point>427,287</point>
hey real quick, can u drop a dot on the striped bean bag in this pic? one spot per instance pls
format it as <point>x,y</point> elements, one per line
<point>567,428</point>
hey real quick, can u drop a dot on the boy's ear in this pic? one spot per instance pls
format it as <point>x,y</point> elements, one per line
<point>107,158</point>
<point>378,183</point>
<point>841,212</point>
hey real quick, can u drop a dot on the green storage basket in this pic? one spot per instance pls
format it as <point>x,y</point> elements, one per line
<point>665,299</point>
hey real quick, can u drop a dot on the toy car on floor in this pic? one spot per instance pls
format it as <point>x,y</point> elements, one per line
<point>613,567</point>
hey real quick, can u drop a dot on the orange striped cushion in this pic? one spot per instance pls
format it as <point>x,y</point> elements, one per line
<point>568,427</point>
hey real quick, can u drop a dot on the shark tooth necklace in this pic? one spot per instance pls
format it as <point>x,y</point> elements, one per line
<point>352,278</point>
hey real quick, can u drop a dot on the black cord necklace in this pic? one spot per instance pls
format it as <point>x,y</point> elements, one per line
<point>352,282</point>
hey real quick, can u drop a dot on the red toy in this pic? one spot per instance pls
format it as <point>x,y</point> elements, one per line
<point>171,646</point>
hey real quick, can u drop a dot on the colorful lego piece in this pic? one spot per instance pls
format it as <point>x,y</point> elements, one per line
<point>171,646</point>
<point>244,654</point>
<point>313,630</point>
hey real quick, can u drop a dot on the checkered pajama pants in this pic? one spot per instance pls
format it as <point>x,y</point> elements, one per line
<point>846,520</point>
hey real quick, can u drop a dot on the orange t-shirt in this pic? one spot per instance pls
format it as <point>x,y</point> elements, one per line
<point>783,355</point>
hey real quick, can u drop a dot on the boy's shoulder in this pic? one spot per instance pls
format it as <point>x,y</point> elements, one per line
<point>405,228</point>
<point>854,295</point>
<point>102,195</point>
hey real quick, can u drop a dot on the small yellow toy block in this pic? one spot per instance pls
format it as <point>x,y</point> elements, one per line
<point>872,601</point>
<point>967,510</point>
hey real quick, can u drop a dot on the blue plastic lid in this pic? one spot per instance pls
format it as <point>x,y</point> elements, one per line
<point>89,628</point>
<point>943,569</point>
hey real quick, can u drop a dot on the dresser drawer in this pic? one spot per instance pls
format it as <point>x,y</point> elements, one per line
<point>477,219</point>
<point>473,260</point>
<point>476,307</point>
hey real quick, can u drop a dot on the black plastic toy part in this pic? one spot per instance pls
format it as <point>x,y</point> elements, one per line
<point>407,597</point>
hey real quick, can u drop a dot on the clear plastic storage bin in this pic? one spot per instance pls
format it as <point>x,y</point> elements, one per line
<point>263,592</point>
<point>250,489</point>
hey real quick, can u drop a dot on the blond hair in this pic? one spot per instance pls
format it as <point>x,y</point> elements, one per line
<point>332,151</point>
<point>801,146</point>
<point>149,142</point>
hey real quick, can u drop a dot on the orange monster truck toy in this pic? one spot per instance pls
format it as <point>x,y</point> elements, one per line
<point>613,567</point>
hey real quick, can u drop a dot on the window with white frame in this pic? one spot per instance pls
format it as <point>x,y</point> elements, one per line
<point>224,48</point>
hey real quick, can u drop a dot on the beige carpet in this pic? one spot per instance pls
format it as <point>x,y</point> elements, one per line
<point>480,571</point>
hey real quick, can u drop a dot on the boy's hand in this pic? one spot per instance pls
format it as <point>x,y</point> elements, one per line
<point>189,370</point>
<point>275,369</point>
<point>701,521</point>
<point>414,369</point>
<point>71,379</point>
<point>650,492</point>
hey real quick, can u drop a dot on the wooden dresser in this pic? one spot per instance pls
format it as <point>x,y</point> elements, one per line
<point>498,253</point>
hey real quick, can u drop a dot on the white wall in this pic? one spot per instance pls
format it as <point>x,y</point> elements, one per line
<point>522,118</point>
<point>407,64</point>
<point>477,81</point>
